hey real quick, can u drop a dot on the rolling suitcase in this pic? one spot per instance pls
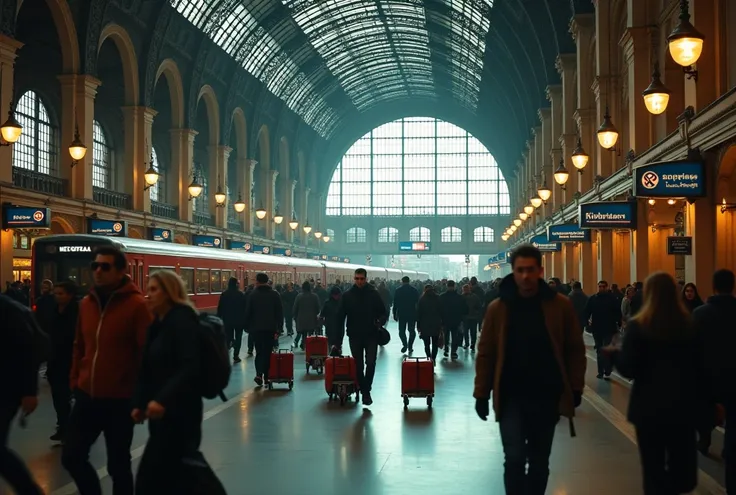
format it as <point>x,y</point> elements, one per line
<point>281,368</point>
<point>341,378</point>
<point>417,379</point>
<point>317,350</point>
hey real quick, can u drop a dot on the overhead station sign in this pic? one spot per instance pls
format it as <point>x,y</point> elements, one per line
<point>567,233</point>
<point>415,246</point>
<point>607,215</point>
<point>207,241</point>
<point>542,243</point>
<point>680,179</point>
<point>161,235</point>
<point>501,257</point>
<point>21,217</point>
<point>109,228</point>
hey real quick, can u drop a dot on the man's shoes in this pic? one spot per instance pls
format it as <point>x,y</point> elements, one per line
<point>259,380</point>
<point>367,400</point>
<point>236,359</point>
<point>403,349</point>
<point>57,437</point>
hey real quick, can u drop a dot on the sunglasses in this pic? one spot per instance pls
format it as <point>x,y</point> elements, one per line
<point>359,278</point>
<point>104,266</point>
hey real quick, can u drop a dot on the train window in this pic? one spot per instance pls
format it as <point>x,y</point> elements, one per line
<point>141,281</point>
<point>187,275</point>
<point>226,274</point>
<point>203,281</point>
<point>216,282</point>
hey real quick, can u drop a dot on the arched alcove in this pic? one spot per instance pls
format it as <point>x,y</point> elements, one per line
<point>726,217</point>
<point>170,71</point>
<point>128,57</point>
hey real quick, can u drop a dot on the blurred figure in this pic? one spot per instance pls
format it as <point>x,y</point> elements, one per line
<point>231,310</point>
<point>406,298</point>
<point>603,316</point>
<point>429,321</point>
<point>579,302</point>
<point>472,318</point>
<point>330,316</point>
<point>264,319</point>
<point>690,297</point>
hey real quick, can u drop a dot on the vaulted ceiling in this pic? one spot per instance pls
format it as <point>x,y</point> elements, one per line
<point>346,66</point>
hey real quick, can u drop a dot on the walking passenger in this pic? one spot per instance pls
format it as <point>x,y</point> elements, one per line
<point>662,355</point>
<point>364,311</point>
<point>690,297</point>
<point>264,318</point>
<point>305,312</point>
<point>603,315</point>
<point>287,302</point>
<point>454,310</point>
<point>531,357</point>
<point>472,318</point>
<point>231,309</point>
<point>334,329</point>
<point>406,298</point>
<point>111,333</point>
<point>18,389</point>
<point>429,321</point>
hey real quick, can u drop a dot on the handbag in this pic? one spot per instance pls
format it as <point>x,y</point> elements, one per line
<point>384,337</point>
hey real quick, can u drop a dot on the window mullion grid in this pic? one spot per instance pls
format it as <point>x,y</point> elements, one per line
<point>467,174</point>
<point>372,159</point>
<point>36,119</point>
<point>436,172</point>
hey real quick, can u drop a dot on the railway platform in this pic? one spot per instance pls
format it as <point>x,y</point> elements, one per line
<point>297,443</point>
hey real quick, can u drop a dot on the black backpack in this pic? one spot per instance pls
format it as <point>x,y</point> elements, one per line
<point>215,358</point>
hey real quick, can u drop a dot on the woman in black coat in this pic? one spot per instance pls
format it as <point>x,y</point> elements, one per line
<point>168,392</point>
<point>429,321</point>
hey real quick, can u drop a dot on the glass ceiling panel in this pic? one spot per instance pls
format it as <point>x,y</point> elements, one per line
<point>349,33</point>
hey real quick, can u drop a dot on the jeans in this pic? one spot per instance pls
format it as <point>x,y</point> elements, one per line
<point>669,459</point>
<point>89,418</point>
<point>12,468</point>
<point>263,342</point>
<point>434,341</point>
<point>527,428</point>
<point>365,351</point>
<point>403,324</point>
<point>604,361</point>
<point>470,332</point>
<point>61,395</point>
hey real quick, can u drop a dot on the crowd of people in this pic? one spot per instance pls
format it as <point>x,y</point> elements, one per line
<point>119,358</point>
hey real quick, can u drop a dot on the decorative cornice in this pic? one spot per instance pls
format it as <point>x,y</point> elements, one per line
<point>580,23</point>
<point>553,91</point>
<point>566,62</point>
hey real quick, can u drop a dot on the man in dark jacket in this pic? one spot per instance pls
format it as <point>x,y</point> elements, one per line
<point>230,310</point>
<point>287,302</point>
<point>603,316</point>
<point>264,318</point>
<point>18,389</point>
<point>637,300</point>
<point>531,358</point>
<point>405,312</point>
<point>579,302</point>
<point>454,310</point>
<point>714,321</point>
<point>364,311</point>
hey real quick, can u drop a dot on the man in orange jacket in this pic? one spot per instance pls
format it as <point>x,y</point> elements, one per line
<point>111,333</point>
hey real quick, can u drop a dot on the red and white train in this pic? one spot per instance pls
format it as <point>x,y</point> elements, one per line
<point>206,271</point>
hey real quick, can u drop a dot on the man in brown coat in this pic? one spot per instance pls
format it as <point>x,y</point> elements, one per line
<point>531,356</point>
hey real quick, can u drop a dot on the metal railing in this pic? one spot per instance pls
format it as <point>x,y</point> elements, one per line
<point>35,181</point>
<point>164,210</point>
<point>113,199</point>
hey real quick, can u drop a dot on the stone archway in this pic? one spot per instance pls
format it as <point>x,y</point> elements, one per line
<point>726,217</point>
<point>126,49</point>
<point>180,239</point>
<point>170,71</point>
<point>61,226</point>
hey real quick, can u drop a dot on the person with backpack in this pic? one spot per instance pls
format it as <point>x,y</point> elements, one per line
<point>169,392</point>
<point>111,333</point>
<point>20,359</point>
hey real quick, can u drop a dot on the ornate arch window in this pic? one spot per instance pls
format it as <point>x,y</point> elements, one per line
<point>388,234</point>
<point>355,235</point>
<point>418,166</point>
<point>483,234</point>
<point>330,233</point>
<point>36,150</point>
<point>451,234</point>
<point>102,171</point>
<point>201,204</point>
<point>157,191</point>
<point>421,234</point>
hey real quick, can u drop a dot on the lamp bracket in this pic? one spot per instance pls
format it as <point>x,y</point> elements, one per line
<point>630,157</point>
<point>691,73</point>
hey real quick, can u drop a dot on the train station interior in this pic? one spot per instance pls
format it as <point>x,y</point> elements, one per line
<point>426,139</point>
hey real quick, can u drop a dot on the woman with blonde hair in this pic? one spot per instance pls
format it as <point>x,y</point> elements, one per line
<point>660,352</point>
<point>168,392</point>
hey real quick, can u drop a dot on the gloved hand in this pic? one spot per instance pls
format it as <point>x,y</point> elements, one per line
<point>482,409</point>
<point>577,398</point>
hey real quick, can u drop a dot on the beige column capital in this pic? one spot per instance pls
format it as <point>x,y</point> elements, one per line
<point>186,135</point>
<point>566,62</point>
<point>582,24</point>
<point>554,92</point>
<point>9,48</point>
<point>544,115</point>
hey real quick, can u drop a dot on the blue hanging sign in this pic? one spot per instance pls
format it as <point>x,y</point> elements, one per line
<point>161,235</point>
<point>346,260</point>
<point>498,258</point>
<point>207,241</point>
<point>282,252</point>
<point>567,233</point>
<point>680,179</point>
<point>334,258</point>
<point>540,242</point>
<point>20,217</point>
<point>323,257</point>
<point>238,245</point>
<point>607,215</point>
<point>110,228</point>
<point>261,249</point>
<point>415,246</point>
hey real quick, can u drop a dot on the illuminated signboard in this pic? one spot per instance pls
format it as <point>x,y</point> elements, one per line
<point>161,235</point>
<point>109,228</point>
<point>414,246</point>
<point>207,241</point>
<point>19,217</point>
<point>680,179</point>
<point>75,249</point>
<point>607,215</point>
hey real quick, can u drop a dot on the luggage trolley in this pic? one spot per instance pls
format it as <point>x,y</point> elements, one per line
<point>316,352</point>
<point>341,384</point>
<point>281,369</point>
<point>418,382</point>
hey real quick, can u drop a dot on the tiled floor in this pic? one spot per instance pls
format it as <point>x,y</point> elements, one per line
<point>293,443</point>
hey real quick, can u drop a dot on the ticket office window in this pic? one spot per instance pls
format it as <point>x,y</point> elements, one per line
<point>187,275</point>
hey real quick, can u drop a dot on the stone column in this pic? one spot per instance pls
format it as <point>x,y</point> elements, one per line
<point>218,156</point>
<point>182,160</point>
<point>566,66</point>
<point>240,190</point>
<point>287,205</point>
<point>605,259</point>
<point>700,223</point>
<point>305,213</point>
<point>588,269</point>
<point>270,202</point>
<point>291,192</point>
<point>605,85</point>
<point>138,123</point>
<point>637,45</point>
<point>712,78</point>
<point>554,95</point>
<point>543,158</point>
<point>571,265</point>
<point>639,241</point>
<point>583,30</point>
<point>250,166</point>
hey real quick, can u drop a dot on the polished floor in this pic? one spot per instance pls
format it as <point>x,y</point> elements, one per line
<point>297,443</point>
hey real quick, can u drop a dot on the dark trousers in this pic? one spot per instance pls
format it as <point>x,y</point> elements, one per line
<point>263,342</point>
<point>170,441</point>
<point>527,429</point>
<point>251,343</point>
<point>289,321</point>
<point>12,468</point>
<point>234,337</point>
<point>364,349</point>
<point>669,459</point>
<point>452,338</point>
<point>433,340</point>
<point>729,447</point>
<point>470,331</point>
<point>89,418</point>
<point>602,339</point>
<point>403,325</point>
<point>302,335</point>
<point>61,395</point>
<point>335,336</point>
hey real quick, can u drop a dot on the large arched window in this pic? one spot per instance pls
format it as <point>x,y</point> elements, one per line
<point>36,148</point>
<point>418,166</point>
<point>201,203</point>
<point>102,175</point>
<point>355,235</point>
<point>451,234</point>
<point>388,234</point>
<point>157,191</point>
<point>419,234</point>
<point>483,234</point>
<point>330,233</point>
